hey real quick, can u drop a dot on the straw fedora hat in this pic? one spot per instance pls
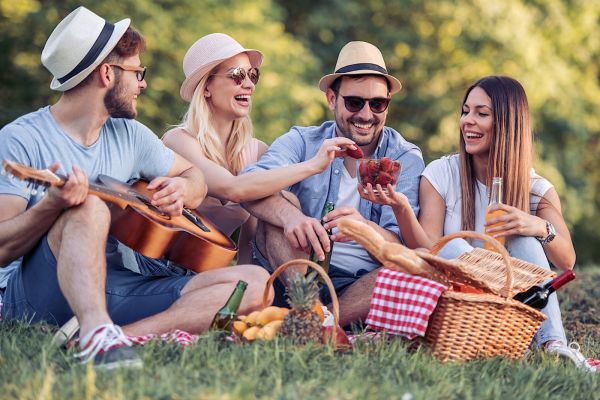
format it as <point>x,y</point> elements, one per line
<point>77,45</point>
<point>208,52</point>
<point>360,58</point>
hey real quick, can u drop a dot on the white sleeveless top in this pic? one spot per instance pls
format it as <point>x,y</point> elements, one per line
<point>444,176</point>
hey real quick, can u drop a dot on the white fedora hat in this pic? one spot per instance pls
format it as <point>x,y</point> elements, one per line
<point>360,58</point>
<point>208,52</point>
<point>77,45</point>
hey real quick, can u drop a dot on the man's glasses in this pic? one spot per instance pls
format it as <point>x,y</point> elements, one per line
<point>239,74</point>
<point>140,72</point>
<point>355,103</point>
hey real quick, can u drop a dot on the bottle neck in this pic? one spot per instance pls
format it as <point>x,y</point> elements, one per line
<point>496,194</point>
<point>559,281</point>
<point>234,301</point>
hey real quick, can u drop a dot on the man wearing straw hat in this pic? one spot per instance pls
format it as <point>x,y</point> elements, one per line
<point>55,247</point>
<point>358,93</point>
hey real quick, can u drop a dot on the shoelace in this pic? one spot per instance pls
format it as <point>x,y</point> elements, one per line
<point>102,339</point>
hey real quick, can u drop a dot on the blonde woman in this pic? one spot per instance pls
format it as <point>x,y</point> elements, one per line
<point>496,139</point>
<point>216,135</point>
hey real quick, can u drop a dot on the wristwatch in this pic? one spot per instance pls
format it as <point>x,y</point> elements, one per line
<point>551,234</point>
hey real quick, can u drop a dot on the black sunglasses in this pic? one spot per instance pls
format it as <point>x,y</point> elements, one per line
<point>239,74</point>
<point>355,103</point>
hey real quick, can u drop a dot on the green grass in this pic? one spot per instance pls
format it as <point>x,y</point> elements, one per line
<point>30,368</point>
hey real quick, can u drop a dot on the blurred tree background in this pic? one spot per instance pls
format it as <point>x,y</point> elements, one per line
<point>436,48</point>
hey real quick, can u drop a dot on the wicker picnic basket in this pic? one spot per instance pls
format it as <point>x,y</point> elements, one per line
<point>465,326</point>
<point>335,305</point>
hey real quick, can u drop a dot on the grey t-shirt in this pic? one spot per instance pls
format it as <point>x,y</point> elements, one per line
<point>126,149</point>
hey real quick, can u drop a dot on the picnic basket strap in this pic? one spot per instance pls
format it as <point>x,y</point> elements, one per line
<point>298,261</point>
<point>496,244</point>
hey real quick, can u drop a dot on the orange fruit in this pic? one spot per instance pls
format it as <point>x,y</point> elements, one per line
<point>319,310</point>
<point>250,333</point>
<point>239,327</point>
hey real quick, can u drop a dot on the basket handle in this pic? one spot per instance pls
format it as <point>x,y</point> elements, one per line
<point>299,261</point>
<point>486,238</point>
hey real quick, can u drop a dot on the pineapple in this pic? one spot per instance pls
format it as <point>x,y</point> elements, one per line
<point>302,323</point>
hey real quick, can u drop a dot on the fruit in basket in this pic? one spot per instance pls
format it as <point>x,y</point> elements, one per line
<point>384,171</point>
<point>302,323</point>
<point>251,318</point>
<point>250,333</point>
<point>239,327</point>
<point>269,331</point>
<point>269,314</point>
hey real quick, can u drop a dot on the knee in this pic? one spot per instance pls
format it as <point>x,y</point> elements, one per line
<point>93,211</point>
<point>291,197</point>
<point>257,278</point>
<point>527,248</point>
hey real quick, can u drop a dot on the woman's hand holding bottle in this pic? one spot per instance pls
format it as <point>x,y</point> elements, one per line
<point>514,221</point>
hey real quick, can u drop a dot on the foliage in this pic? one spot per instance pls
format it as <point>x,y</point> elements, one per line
<point>30,368</point>
<point>436,48</point>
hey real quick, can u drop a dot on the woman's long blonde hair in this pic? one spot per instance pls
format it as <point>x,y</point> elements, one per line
<point>198,121</point>
<point>511,150</point>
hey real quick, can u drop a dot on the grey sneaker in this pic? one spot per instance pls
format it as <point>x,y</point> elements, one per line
<point>573,353</point>
<point>108,346</point>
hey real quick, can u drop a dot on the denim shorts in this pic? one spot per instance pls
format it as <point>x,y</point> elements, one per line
<point>340,278</point>
<point>33,292</point>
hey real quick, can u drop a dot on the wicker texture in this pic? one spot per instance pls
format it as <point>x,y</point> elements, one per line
<point>466,326</point>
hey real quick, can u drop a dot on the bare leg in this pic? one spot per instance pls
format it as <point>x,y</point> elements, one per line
<point>273,244</point>
<point>202,297</point>
<point>78,241</point>
<point>354,304</point>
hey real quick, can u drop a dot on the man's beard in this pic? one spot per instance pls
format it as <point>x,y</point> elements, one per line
<point>118,104</point>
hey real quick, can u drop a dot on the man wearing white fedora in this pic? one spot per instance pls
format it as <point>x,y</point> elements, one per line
<point>56,255</point>
<point>358,93</point>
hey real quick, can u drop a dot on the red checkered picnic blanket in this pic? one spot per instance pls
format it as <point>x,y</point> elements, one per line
<point>401,303</point>
<point>177,336</point>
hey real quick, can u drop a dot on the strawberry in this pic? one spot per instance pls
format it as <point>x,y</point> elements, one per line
<point>384,178</point>
<point>386,164</point>
<point>363,170</point>
<point>373,166</point>
<point>396,167</point>
<point>355,152</point>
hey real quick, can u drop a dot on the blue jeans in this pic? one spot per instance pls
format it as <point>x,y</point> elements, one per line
<point>528,249</point>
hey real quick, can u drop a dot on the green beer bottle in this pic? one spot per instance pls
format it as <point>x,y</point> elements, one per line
<point>223,320</point>
<point>329,206</point>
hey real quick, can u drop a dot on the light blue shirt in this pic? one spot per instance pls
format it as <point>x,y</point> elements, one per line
<point>302,143</point>
<point>125,150</point>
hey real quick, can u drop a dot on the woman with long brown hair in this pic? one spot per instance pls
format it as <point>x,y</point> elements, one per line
<point>496,140</point>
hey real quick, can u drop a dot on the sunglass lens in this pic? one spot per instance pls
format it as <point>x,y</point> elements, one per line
<point>238,75</point>
<point>254,74</point>
<point>354,104</point>
<point>140,74</point>
<point>378,105</point>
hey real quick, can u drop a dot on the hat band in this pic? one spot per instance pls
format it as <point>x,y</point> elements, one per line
<point>93,53</point>
<point>361,66</point>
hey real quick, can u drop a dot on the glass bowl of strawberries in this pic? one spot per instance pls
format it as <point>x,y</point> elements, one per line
<point>378,171</point>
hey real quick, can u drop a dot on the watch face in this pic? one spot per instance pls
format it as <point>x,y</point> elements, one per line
<point>551,232</point>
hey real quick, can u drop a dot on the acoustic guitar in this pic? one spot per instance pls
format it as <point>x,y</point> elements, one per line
<point>188,240</point>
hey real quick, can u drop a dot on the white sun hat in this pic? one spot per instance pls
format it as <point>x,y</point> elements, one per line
<point>77,45</point>
<point>208,52</point>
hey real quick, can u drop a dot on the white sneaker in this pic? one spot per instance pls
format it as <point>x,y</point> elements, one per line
<point>108,347</point>
<point>572,352</point>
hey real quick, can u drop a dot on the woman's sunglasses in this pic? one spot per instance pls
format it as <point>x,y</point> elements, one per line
<point>355,103</point>
<point>238,75</point>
